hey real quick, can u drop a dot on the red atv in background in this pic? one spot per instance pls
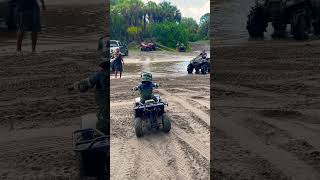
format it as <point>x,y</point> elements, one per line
<point>148,46</point>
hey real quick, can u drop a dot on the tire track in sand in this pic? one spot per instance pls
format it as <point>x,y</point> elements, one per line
<point>123,160</point>
<point>195,143</point>
<point>202,115</point>
<point>290,165</point>
<point>131,153</point>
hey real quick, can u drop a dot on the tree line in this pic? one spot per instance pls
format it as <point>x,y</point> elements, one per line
<point>134,20</point>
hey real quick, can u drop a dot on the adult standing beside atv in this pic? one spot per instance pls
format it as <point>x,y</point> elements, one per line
<point>117,64</point>
<point>101,83</point>
<point>28,19</point>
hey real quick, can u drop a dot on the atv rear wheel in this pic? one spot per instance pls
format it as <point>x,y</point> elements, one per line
<point>138,127</point>
<point>204,69</point>
<point>279,28</point>
<point>256,24</point>
<point>190,68</point>
<point>299,27</point>
<point>316,28</point>
<point>197,71</point>
<point>166,124</point>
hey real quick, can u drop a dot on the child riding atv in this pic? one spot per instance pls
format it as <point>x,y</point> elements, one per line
<point>146,87</point>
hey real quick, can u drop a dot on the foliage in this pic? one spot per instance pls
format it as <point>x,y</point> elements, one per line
<point>133,31</point>
<point>170,33</point>
<point>205,25</point>
<point>133,20</point>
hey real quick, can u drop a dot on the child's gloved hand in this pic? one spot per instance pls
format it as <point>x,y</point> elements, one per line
<point>71,87</point>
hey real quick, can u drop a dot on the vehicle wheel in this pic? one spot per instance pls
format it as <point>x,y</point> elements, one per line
<point>166,124</point>
<point>197,71</point>
<point>204,69</point>
<point>279,28</point>
<point>138,127</point>
<point>81,170</point>
<point>299,26</point>
<point>316,28</point>
<point>102,177</point>
<point>256,24</point>
<point>190,69</point>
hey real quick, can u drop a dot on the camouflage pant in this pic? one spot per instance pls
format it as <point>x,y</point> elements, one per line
<point>103,122</point>
<point>144,98</point>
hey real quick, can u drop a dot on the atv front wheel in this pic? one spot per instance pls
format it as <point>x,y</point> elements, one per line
<point>299,27</point>
<point>256,24</point>
<point>190,69</point>
<point>166,124</point>
<point>138,127</point>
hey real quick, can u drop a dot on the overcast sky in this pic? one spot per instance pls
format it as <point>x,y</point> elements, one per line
<point>190,8</point>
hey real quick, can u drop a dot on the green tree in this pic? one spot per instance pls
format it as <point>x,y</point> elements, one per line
<point>152,11</point>
<point>133,32</point>
<point>192,27</point>
<point>169,12</point>
<point>205,25</point>
<point>134,20</point>
<point>170,33</point>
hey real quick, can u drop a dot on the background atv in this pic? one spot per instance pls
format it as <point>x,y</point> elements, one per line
<point>199,64</point>
<point>147,47</point>
<point>8,14</point>
<point>302,15</point>
<point>151,114</point>
<point>181,48</point>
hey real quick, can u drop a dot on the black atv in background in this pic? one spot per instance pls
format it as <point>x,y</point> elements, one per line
<point>302,15</point>
<point>199,64</point>
<point>7,15</point>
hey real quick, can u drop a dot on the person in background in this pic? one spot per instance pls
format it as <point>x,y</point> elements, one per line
<point>28,20</point>
<point>118,63</point>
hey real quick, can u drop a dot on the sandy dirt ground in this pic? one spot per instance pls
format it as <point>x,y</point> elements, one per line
<point>38,114</point>
<point>265,103</point>
<point>184,152</point>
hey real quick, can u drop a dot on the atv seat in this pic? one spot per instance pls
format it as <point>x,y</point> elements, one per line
<point>150,101</point>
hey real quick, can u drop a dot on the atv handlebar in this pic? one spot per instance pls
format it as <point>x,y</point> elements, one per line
<point>71,87</point>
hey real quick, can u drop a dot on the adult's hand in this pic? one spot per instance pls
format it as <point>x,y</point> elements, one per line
<point>43,5</point>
